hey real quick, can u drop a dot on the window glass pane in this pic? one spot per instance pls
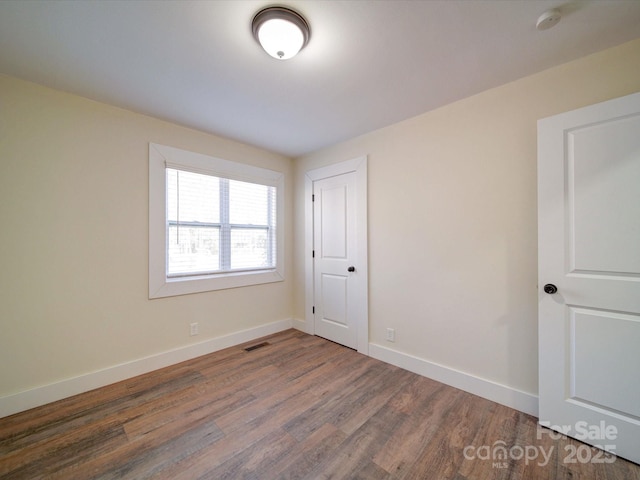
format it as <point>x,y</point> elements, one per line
<point>193,249</point>
<point>201,210</point>
<point>192,197</point>
<point>249,203</point>
<point>250,248</point>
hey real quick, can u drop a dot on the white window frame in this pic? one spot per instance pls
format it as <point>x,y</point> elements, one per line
<point>161,157</point>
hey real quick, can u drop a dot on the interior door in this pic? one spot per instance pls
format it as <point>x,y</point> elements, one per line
<point>589,274</point>
<point>335,271</point>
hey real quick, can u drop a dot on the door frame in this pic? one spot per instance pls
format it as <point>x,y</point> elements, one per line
<point>359,167</point>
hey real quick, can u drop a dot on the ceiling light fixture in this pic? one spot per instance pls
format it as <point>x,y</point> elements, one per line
<point>280,31</point>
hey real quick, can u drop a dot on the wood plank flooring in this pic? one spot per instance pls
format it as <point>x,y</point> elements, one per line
<point>298,408</point>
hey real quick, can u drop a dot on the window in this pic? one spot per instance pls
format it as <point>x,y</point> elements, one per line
<point>213,224</point>
<point>218,225</point>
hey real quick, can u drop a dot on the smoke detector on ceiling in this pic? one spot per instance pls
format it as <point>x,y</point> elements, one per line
<point>548,19</point>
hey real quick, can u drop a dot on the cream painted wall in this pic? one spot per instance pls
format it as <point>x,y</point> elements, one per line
<point>452,230</point>
<point>74,241</point>
<point>452,219</point>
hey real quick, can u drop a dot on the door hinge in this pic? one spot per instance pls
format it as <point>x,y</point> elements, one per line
<point>313,309</point>
<point>313,197</point>
<point>313,254</point>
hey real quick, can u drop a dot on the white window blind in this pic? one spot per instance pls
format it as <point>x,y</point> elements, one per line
<point>217,225</point>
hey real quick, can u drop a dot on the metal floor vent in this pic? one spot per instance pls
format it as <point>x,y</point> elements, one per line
<point>255,347</point>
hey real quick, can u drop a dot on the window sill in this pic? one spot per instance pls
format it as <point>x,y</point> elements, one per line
<point>204,283</point>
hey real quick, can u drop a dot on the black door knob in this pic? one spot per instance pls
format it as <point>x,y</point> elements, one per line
<point>550,288</point>
<point>351,269</point>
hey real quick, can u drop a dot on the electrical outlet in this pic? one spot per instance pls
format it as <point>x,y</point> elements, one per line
<point>193,329</point>
<point>391,335</point>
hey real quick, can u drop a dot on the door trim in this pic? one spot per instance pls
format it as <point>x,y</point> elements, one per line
<point>359,166</point>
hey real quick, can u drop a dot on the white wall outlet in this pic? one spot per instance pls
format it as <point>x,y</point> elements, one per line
<point>391,335</point>
<point>193,329</point>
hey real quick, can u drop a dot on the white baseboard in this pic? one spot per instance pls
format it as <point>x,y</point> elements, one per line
<point>72,386</point>
<point>519,400</point>
<point>38,396</point>
<point>302,326</point>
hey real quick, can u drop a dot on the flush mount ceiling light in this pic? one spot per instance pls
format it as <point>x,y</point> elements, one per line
<point>280,31</point>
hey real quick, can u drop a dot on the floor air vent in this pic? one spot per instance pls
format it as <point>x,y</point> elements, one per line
<point>255,347</point>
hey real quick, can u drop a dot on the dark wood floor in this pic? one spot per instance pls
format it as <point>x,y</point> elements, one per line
<point>300,407</point>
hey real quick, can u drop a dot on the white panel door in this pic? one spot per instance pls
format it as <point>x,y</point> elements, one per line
<point>335,271</point>
<point>589,249</point>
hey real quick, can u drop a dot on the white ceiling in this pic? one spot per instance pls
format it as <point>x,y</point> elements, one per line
<point>369,63</point>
